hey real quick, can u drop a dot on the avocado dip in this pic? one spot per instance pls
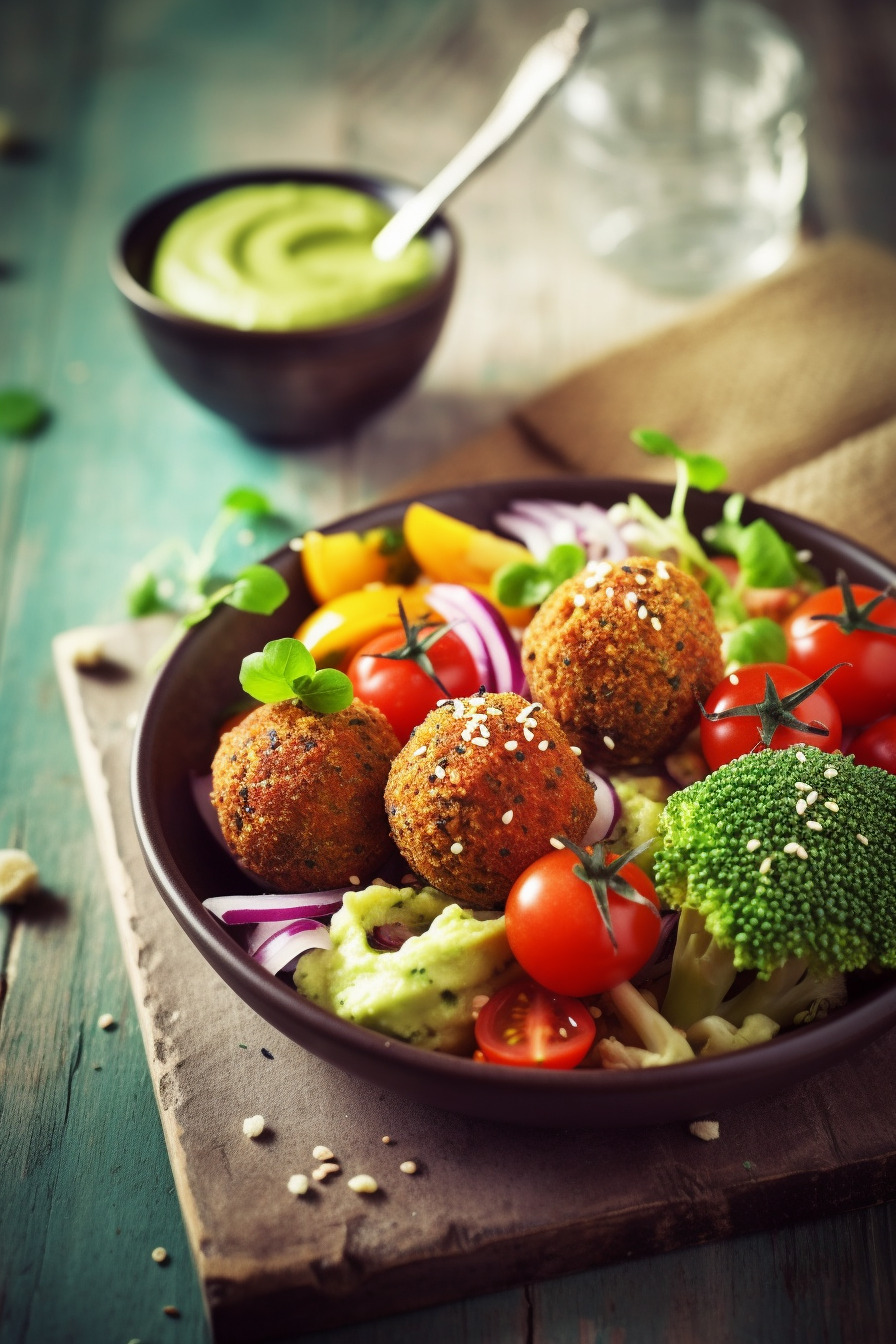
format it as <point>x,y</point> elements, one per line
<point>423,991</point>
<point>282,256</point>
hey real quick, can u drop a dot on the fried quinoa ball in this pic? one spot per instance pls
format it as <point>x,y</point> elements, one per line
<point>478,791</point>
<point>620,653</point>
<point>299,795</point>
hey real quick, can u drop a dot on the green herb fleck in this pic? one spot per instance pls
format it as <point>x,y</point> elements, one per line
<point>22,413</point>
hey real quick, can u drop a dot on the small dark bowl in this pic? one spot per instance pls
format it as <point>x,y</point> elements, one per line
<point>177,735</point>
<point>296,387</point>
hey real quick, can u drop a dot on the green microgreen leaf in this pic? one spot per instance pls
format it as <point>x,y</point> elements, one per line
<point>285,670</point>
<point>527,584</point>
<point>142,594</point>
<point>258,588</point>
<point>703,472</point>
<point>244,499</point>
<point>759,640</point>
<point>22,413</point>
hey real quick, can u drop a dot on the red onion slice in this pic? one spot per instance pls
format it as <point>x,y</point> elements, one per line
<point>260,933</point>
<point>252,909</point>
<point>609,808</point>
<point>474,613</point>
<point>286,945</point>
<point>389,937</point>
<point>541,524</point>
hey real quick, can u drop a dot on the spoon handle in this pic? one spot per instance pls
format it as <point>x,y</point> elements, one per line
<point>541,70</point>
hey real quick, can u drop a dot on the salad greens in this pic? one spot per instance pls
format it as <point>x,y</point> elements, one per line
<point>22,413</point>
<point>285,670</point>
<point>527,585</point>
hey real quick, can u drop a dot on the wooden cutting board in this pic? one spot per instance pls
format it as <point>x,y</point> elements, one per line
<point>489,1206</point>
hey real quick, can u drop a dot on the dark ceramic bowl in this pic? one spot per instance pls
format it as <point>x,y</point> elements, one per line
<point>294,387</point>
<point>177,735</point>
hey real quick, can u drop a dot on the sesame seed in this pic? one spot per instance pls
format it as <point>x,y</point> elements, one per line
<point>661,570</point>
<point>558,844</point>
<point>611,592</point>
<point>734,679</point>
<point>296,543</point>
<point>862,839</point>
<point>543,745</point>
<point>355,881</point>
<point>596,1012</point>
<point>479,1001</point>
<point>831,805</point>
<point>253,1125</point>
<point>171,1311</point>
<point>298,1184</point>
<point>479,741</point>
<point>815,825</point>
<point>609,743</point>
<point>386,1139</point>
<point>561,1031</point>
<point>324,1170</point>
<point>602,570</point>
<point>511,745</point>
<point>830,773</point>
<point>579,600</point>
<point>801,853</point>
<point>805,787</point>
<point>363,1185</point>
<point>528,733</point>
<point>105,1021</point>
<point>160,1255</point>
<point>801,805</point>
<point>492,709</point>
<point>421,751</point>
<point>508,816</point>
<point>467,735</point>
<point>477,700</point>
<point>457,848</point>
<point>656,623</point>
<point>439,772</point>
<point>753,844</point>
<point>483,731</point>
<point>642,612</point>
<point>801,757</point>
<point>639,578</point>
<point>590,581</point>
<point>791,848</point>
<point>631,599</point>
<point>811,797</point>
<point>407,1167</point>
<point>804,557</point>
<point>765,866</point>
<point>458,709</point>
<point>321,1153</point>
<point>576,751</point>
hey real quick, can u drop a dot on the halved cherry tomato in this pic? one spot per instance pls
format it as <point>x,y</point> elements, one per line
<point>867,688</point>
<point>558,935</point>
<point>528,1026</point>
<point>728,738</point>
<point>400,688</point>
<point>876,745</point>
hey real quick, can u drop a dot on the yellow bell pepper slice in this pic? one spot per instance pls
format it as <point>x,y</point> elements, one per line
<point>335,631</point>
<point>450,551</point>
<point>342,562</point>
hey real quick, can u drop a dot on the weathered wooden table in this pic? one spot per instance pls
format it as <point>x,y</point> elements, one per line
<point>113,102</point>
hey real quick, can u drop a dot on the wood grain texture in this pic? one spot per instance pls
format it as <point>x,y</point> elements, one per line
<point>117,99</point>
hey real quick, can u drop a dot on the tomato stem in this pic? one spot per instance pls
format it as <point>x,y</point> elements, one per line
<point>853,617</point>
<point>593,869</point>
<point>415,649</point>
<point>775,711</point>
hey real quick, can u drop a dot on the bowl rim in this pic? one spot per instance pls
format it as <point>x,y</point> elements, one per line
<point>807,1049</point>
<point>352,179</point>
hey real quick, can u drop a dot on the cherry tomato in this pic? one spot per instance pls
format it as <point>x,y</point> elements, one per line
<point>728,738</point>
<point>526,1025</point>
<point>866,689</point>
<point>558,935</point>
<point>400,688</point>
<point>877,745</point>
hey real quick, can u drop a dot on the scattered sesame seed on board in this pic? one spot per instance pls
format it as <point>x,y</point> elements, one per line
<point>105,1021</point>
<point>324,1170</point>
<point>408,1168</point>
<point>707,1130</point>
<point>160,1255</point>
<point>363,1185</point>
<point>253,1126</point>
<point>298,1184</point>
<point>386,1139</point>
<point>171,1311</point>
<point>321,1153</point>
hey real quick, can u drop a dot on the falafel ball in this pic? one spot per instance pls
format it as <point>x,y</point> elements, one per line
<point>299,795</point>
<point>478,791</point>
<point>621,653</point>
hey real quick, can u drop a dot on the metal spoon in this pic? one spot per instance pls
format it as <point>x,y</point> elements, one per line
<point>541,70</point>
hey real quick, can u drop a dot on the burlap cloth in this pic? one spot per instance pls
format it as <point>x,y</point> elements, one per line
<point>791,382</point>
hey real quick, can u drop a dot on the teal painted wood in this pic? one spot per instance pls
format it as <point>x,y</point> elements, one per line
<point>126,98</point>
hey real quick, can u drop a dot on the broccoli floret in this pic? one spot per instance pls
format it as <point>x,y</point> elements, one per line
<point>786,856</point>
<point>793,994</point>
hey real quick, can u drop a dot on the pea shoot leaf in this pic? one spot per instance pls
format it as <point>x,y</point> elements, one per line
<point>285,670</point>
<point>703,472</point>
<point>243,499</point>
<point>22,413</point>
<point>258,588</point>
<point>766,560</point>
<point>528,584</point>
